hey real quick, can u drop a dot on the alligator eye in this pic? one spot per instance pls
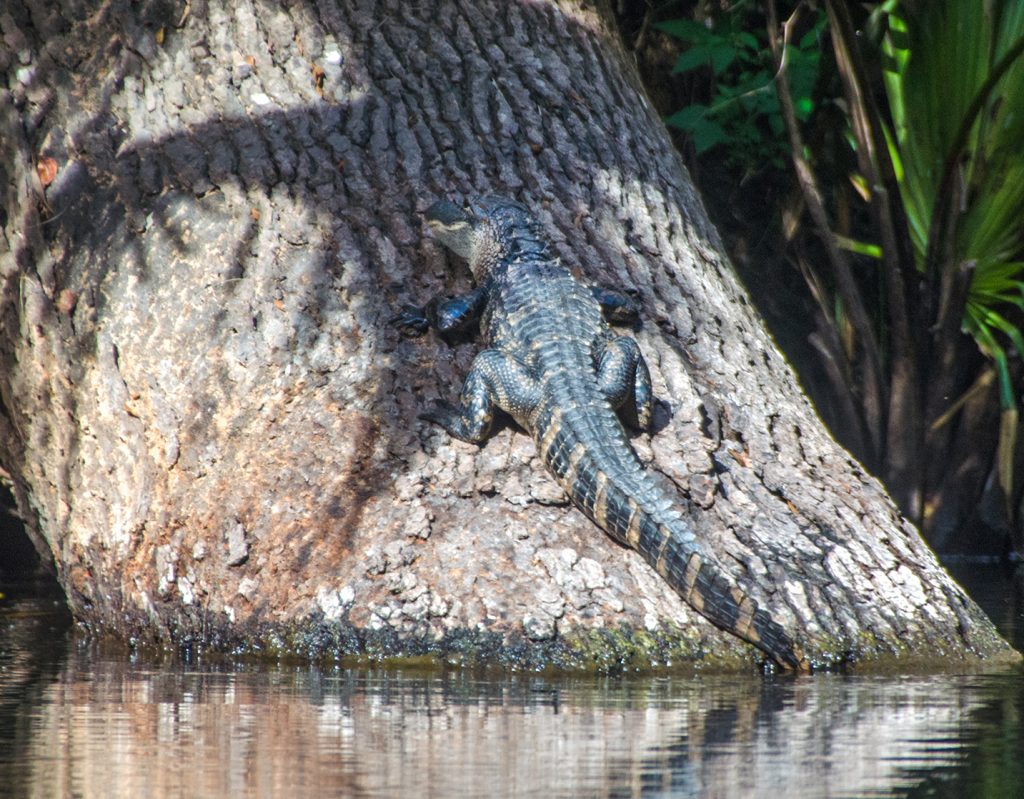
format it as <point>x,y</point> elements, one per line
<point>445,215</point>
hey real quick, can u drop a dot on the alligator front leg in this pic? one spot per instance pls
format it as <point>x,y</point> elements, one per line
<point>625,380</point>
<point>495,380</point>
<point>452,316</point>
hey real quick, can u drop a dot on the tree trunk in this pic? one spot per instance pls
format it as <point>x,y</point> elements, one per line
<point>209,421</point>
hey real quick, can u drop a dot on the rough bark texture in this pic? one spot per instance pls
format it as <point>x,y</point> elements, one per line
<point>209,422</point>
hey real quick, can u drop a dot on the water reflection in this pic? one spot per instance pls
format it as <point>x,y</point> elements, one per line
<point>76,723</point>
<point>103,729</point>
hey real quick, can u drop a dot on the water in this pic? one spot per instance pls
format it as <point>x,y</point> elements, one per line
<point>81,720</point>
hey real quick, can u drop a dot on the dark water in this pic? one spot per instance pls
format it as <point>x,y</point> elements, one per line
<point>75,722</point>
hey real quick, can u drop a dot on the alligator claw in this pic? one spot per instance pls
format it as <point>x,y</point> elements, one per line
<point>440,414</point>
<point>411,321</point>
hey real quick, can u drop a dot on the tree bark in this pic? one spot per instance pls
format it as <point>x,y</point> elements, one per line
<point>212,427</point>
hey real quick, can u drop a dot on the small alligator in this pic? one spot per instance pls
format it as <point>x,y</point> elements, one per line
<point>557,368</point>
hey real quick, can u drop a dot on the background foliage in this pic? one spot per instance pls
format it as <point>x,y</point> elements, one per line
<point>888,140</point>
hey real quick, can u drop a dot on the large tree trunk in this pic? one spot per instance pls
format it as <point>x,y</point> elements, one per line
<point>209,422</point>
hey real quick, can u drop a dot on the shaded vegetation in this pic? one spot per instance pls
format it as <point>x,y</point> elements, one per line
<point>743,114</point>
<point>898,230</point>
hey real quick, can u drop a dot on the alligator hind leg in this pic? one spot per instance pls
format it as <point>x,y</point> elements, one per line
<point>619,306</point>
<point>625,380</point>
<point>495,380</point>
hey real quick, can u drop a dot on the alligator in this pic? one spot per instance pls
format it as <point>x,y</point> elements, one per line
<point>554,364</point>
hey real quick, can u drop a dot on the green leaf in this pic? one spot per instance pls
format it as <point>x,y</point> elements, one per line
<point>743,114</point>
<point>999,322</point>
<point>748,41</point>
<point>1006,449</point>
<point>812,38</point>
<point>704,131</point>
<point>707,134</point>
<point>694,58</point>
<point>722,55</point>
<point>685,29</point>
<point>717,55</point>
<point>998,355</point>
<point>948,111</point>
<point>1007,399</point>
<point>900,40</point>
<point>859,247</point>
<point>687,117</point>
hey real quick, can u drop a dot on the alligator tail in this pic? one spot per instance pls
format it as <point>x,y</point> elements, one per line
<point>633,511</point>
<point>708,591</point>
